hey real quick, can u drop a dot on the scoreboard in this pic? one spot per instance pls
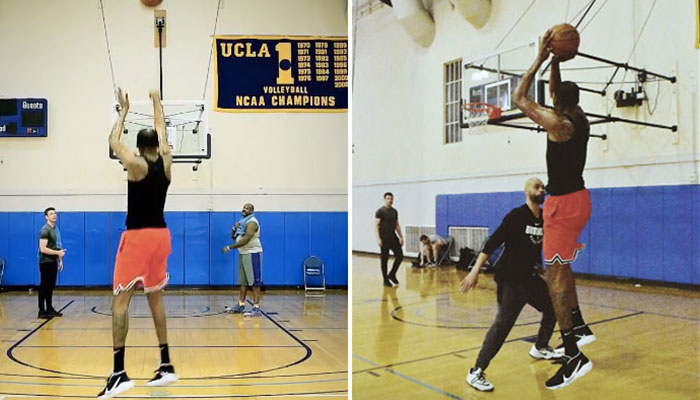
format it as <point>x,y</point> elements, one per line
<point>23,117</point>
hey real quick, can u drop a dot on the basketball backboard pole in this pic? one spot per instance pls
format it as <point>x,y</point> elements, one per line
<point>601,120</point>
<point>671,79</point>
<point>539,128</point>
<point>506,73</point>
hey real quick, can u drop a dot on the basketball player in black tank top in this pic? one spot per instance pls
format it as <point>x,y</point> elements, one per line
<point>567,209</point>
<point>145,244</point>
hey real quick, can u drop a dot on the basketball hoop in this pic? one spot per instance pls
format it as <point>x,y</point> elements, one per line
<point>477,115</point>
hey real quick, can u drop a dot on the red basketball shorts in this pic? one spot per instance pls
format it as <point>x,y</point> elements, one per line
<point>564,219</point>
<point>142,260</point>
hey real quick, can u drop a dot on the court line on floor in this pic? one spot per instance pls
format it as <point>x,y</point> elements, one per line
<point>208,385</point>
<point>232,378</point>
<point>328,393</point>
<point>645,312</point>
<point>408,378</point>
<point>393,315</point>
<point>206,309</point>
<point>155,347</point>
<point>434,356</point>
<point>229,376</point>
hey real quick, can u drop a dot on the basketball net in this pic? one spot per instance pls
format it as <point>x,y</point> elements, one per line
<point>477,116</point>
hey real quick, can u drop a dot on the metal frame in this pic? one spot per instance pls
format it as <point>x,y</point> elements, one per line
<point>315,290</point>
<point>601,119</point>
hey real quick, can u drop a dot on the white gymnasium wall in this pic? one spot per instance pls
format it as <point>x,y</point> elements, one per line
<point>398,106</point>
<point>57,50</point>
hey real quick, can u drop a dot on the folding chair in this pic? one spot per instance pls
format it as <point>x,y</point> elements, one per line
<point>314,277</point>
<point>445,256</point>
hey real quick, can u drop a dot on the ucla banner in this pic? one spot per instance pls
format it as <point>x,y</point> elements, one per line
<point>281,74</point>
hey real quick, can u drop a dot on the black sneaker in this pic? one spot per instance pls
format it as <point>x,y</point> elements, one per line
<point>165,375</point>
<point>116,383</point>
<point>387,283</point>
<point>392,279</point>
<point>43,315</point>
<point>573,368</point>
<point>583,335</point>
<point>54,313</point>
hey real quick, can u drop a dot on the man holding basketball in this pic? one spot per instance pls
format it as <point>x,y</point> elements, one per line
<point>145,244</point>
<point>568,207</point>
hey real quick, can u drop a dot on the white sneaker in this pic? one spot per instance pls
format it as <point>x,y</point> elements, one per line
<point>544,354</point>
<point>477,379</point>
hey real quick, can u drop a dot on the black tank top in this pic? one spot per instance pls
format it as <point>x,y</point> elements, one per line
<point>146,198</point>
<point>566,160</point>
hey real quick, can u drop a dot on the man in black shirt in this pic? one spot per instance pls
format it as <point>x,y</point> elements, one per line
<point>50,262</point>
<point>389,237</point>
<point>568,207</point>
<point>519,281</point>
<point>145,244</point>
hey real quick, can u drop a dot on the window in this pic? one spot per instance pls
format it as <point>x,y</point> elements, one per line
<point>453,101</point>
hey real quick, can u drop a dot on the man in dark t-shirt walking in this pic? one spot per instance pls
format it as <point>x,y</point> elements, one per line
<point>389,237</point>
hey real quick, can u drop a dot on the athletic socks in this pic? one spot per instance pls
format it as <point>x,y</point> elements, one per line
<point>118,359</point>
<point>164,354</point>
<point>570,346</point>
<point>577,317</point>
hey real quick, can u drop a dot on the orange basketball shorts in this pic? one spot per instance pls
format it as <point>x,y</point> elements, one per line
<point>142,260</point>
<point>564,218</point>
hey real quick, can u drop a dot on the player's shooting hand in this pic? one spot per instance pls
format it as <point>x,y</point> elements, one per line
<point>545,46</point>
<point>123,99</point>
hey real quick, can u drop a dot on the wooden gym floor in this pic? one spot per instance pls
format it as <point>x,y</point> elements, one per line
<point>418,341</point>
<point>297,349</point>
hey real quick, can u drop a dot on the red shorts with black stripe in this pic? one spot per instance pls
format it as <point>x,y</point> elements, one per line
<point>564,219</point>
<point>142,260</point>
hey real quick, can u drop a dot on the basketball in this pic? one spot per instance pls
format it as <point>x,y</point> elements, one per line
<point>565,41</point>
<point>151,3</point>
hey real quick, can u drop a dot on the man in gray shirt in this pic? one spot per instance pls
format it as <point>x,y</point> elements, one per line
<point>433,247</point>
<point>50,262</point>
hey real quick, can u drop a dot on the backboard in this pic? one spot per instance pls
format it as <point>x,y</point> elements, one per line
<point>493,78</point>
<point>186,121</point>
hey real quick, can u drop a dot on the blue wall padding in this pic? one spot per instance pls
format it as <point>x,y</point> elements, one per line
<point>296,244</point>
<point>72,228</point>
<point>624,230</point>
<point>22,250</point>
<point>98,264</point>
<point>321,240</point>
<point>272,238</point>
<point>339,274</point>
<point>197,248</point>
<point>695,238</point>
<point>648,232</point>
<point>176,260</point>
<point>221,265</point>
<point>92,240</point>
